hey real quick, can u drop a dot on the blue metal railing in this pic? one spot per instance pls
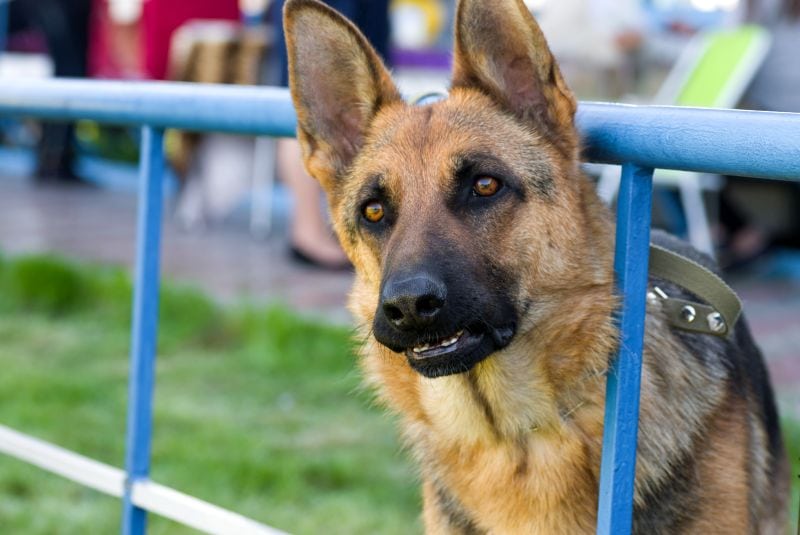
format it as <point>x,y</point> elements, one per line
<point>144,328</point>
<point>731,142</point>
<point>618,464</point>
<point>755,144</point>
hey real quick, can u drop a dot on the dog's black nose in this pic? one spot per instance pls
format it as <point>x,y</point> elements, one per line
<point>413,302</point>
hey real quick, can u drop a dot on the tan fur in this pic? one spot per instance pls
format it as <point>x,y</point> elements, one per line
<point>513,445</point>
<point>723,464</point>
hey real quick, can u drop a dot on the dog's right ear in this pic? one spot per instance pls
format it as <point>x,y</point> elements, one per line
<point>338,83</point>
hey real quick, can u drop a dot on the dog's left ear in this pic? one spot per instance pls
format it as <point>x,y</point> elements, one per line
<point>501,50</point>
<point>338,84</point>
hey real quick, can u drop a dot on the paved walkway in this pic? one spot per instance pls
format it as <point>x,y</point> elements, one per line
<point>97,225</point>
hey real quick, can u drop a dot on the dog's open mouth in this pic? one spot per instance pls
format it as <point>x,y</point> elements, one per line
<point>457,353</point>
<point>452,344</point>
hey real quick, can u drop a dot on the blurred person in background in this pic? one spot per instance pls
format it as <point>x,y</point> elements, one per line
<point>215,169</point>
<point>161,18</point>
<point>200,41</point>
<point>591,37</point>
<point>132,38</point>
<point>114,41</point>
<point>311,240</point>
<point>64,24</point>
<point>777,84</point>
<point>776,87</point>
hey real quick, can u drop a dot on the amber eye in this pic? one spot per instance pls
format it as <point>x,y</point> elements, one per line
<point>485,186</point>
<point>373,211</point>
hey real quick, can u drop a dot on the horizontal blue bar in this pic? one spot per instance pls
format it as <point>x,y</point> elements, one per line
<point>756,144</point>
<point>189,106</point>
<point>725,142</point>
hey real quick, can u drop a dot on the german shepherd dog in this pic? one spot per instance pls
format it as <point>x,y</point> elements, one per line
<point>484,292</point>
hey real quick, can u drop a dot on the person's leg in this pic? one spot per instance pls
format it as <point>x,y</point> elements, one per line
<point>309,234</point>
<point>310,237</point>
<point>730,217</point>
<point>64,24</point>
<point>18,17</point>
<point>742,240</point>
<point>372,16</point>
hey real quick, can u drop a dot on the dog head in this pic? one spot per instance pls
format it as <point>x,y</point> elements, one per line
<point>463,216</point>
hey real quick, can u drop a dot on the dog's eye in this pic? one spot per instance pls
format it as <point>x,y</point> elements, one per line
<point>373,211</point>
<point>485,186</point>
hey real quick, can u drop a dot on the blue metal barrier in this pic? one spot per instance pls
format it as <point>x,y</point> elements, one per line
<point>144,329</point>
<point>754,144</point>
<point>618,464</point>
<point>739,143</point>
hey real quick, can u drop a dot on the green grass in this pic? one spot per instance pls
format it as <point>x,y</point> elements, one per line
<point>791,436</point>
<point>256,410</point>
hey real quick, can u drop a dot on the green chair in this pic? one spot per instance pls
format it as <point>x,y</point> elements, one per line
<point>713,71</point>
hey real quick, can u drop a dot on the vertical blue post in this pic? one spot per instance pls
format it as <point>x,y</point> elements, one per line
<point>144,329</point>
<point>618,466</point>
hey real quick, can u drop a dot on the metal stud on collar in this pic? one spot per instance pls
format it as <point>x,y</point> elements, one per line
<point>682,314</point>
<point>716,322</point>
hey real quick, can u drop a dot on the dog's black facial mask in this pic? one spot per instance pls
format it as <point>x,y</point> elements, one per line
<point>446,312</point>
<point>444,301</point>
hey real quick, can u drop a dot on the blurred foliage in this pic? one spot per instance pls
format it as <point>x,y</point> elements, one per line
<point>117,143</point>
<point>256,409</point>
<point>44,284</point>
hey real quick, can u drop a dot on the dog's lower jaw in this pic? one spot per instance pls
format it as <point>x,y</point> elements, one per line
<point>477,347</point>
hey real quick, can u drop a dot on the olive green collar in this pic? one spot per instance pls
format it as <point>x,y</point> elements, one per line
<point>722,306</point>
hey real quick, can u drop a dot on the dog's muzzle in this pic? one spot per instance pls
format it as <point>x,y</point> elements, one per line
<point>418,318</point>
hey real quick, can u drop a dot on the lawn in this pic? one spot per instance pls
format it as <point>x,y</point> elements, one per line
<point>256,409</point>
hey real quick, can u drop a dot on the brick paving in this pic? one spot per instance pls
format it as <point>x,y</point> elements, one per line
<point>96,225</point>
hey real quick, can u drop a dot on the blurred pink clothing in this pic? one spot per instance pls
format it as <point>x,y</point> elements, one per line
<point>105,59</point>
<point>160,18</point>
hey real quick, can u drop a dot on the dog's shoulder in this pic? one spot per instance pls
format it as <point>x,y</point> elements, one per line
<point>744,364</point>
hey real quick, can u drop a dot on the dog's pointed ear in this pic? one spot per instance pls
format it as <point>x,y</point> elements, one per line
<point>337,82</point>
<point>500,49</point>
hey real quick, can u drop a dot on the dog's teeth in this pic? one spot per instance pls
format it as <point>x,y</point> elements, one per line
<point>443,343</point>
